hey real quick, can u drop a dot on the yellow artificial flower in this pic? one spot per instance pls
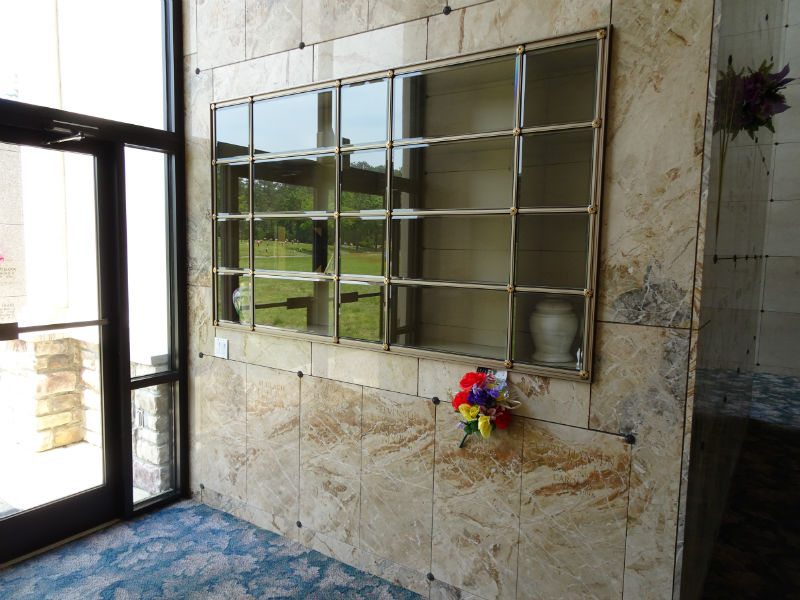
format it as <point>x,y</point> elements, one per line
<point>469,412</point>
<point>485,426</point>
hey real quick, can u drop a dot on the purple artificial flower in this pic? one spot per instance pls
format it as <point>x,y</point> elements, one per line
<point>482,397</point>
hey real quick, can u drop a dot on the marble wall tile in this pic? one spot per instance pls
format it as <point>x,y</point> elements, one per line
<point>444,591</point>
<point>782,284</point>
<point>640,386</point>
<point>220,32</point>
<point>272,26</point>
<point>263,75</point>
<point>200,329</point>
<point>654,148</point>
<point>476,508</point>
<point>329,19</point>
<point>383,13</point>
<point>219,390</point>
<point>240,509</point>
<point>508,22</point>
<point>330,457</point>
<point>784,220</point>
<point>273,441</point>
<point>397,477</point>
<point>543,398</point>
<point>197,98</point>
<point>574,506</point>
<point>355,55</point>
<point>266,350</point>
<point>189,27</point>
<point>392,372</point>
<point>410,579</point>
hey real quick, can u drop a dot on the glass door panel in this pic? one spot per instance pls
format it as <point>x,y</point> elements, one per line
<point>51,330</point>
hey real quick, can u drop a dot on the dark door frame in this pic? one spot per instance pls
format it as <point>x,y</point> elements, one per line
<point>34,125</point>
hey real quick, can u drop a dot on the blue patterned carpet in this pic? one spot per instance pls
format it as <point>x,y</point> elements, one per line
<point>190,551</point>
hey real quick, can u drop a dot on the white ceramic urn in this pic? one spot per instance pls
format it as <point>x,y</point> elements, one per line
<point>553,327</point>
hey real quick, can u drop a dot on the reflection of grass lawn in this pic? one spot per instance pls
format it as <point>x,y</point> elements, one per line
<point>358,319</point>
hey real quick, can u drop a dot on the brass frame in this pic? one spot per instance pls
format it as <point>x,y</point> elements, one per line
<point>597,125</point>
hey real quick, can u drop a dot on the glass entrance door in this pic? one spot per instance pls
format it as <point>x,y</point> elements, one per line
<point>59,396</point>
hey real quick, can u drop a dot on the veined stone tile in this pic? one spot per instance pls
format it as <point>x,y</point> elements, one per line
<point>276,352</point>
<point>329,19</point>
<point>273,473</point>
<point>397,574</point>
<point>640,386</point>
<point>380,370</point>
<point>507,22</point>
<point>574,506</point>
<point>393,509</point>
<point>383,13</point>
<point>221,398</point>
<point>273,408</point>
<point>220,464</point>
<point>199,317</point>
<point>355,55</point>
<point>198,172</point>
<point>444,591</point>
<point>272,26</point>
<point>189,27</point>
<point>476,508</point>
<point>654,142</point>
<point>242,510</point>
<point>397,437</point>
<point>263,75</point>
<point>543,398</point>
<point>330,457</point>
<point>220,32</point>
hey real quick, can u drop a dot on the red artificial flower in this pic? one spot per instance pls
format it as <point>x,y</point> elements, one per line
<point>472,378</point>
<point>502,419</point>
<point>460,398</point>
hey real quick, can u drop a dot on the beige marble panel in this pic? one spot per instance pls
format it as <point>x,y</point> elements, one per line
<point>273,441</point>
<point>374,369</point>
<point>276,352</point>
<point>263,75</point>
<point>272,26</point>
<point>200,330</point>
<point>507,22</point>
<point>242,510</point>
<point>397,477</point>
<point>398,45</point>
<point>189,27</point>
<point>444,591</point>
<point>476,508</point>
<point>543,398</point>
<point>197,97</point>
<point>574,505</point>
<point>330,457</point>
<point>221,398</point>
<point>640,386</point>
<point>397,437</point>
<point>220,464</point>
<point>654,148</point>
<point>329,19</point>
<point>220,32</point>
<point>383,13</point>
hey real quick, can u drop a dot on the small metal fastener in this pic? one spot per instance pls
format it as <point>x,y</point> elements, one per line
<point>630,438</point>
<point>430,576</point>
<point>200,354</point>
<point>386,346</point>
<point>213,106</point>
<point>584,374</point>
<point>300,374</point>
<point>336,215</point>
<point>389,144</point>
<point>385,281</point>
<point>435,400</point>
<point>216,323</point>
<point>214,270</point>
<point>517,131</point>
<point>510,288</point>
<point>249,98</point>
<point>508,364</point>
<point>520,49</point>
<point>390,73</point>
<point>202,486</point>
<point>301,45</point>
<point>298,523</point>
<point>214,162</point>
<point>601,34</point>
<point>592,209</point>
<point>597,123</point>
<point>512,211</point>
<point>337,150</point>
<point>197,71</point>
<point>588,293</point>
<point>445,11</point>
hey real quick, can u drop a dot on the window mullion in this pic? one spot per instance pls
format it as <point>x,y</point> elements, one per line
<point>251,241</point>
<point>337,209</point>
<point>387,242</point>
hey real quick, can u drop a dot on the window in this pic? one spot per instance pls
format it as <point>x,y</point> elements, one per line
<point>443,209</point>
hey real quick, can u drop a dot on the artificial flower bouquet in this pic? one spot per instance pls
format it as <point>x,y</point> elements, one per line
<point>484,402</point>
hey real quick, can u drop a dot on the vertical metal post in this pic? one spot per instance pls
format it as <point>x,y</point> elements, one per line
<point>251,188</point>
<point>337,210</point>
<point>388,201</point>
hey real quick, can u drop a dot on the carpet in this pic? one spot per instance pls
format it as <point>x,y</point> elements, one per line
<point>190,551</point>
